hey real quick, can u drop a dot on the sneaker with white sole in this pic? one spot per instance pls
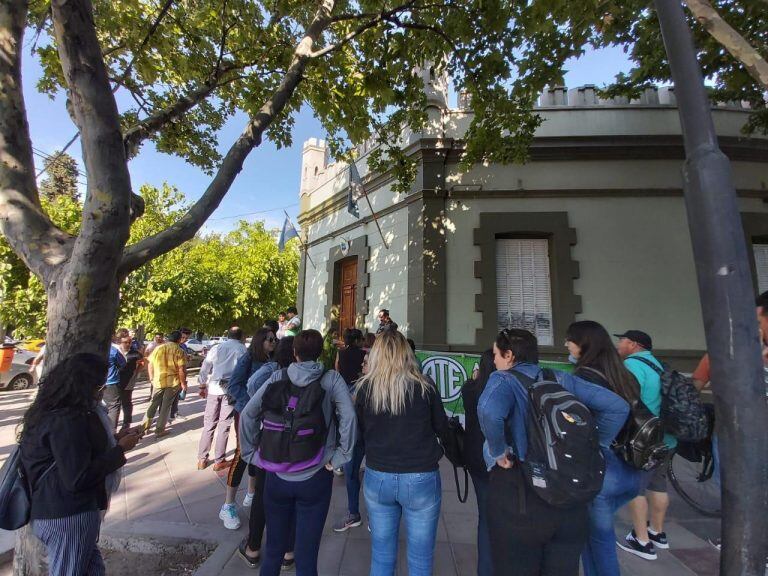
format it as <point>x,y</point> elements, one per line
<point>632,545</point>
<point>228,515</point>
<point>347,522</point>
<point>247,500</point>
<point>658,539</point>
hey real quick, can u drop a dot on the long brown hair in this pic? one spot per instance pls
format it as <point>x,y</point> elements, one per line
<point>599,353</point>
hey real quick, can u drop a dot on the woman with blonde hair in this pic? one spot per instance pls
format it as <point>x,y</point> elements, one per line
<point>400,416</point>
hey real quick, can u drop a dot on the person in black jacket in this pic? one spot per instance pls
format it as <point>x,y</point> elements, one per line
<point>401,416</point>
<point>473,452</point>
<point>130,351</point>
<point>70,457</point>
<point>349,363</point>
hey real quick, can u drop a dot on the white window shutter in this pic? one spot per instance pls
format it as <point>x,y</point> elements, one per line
<point>761,266</point>
<point>523,287</point>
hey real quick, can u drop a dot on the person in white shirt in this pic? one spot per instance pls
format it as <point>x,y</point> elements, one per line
<point>219,412</point>
<point>293,326</point>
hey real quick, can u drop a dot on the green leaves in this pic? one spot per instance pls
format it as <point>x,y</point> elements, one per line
<point>214,281</point>
<point>632,24</point>
<point>206,284</point>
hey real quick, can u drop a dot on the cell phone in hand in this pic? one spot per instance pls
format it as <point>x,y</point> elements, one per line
<point>182,394</point>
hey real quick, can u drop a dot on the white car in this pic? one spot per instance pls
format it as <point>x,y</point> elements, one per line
<point>20,376</point>
<point>195,345</point>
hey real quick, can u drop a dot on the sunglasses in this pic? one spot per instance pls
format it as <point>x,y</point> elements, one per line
<point>270,339</point>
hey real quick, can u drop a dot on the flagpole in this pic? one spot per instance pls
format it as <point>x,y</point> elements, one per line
<point>375,218</point>
<point>306,249</point>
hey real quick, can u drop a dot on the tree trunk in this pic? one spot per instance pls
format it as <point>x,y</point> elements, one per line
<point>82,311</point>
<point>29,556</point>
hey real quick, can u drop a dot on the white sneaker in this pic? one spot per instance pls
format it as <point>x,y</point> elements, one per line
<point>247,500</point>
<point>228,514</point>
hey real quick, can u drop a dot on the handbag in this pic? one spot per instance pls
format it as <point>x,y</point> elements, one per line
<point>15,492</point>
<point>453,446</point>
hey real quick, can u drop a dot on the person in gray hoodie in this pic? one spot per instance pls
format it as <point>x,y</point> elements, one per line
<point>305,493</point>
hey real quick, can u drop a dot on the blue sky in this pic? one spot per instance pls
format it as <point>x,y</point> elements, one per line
<point>270,178</point>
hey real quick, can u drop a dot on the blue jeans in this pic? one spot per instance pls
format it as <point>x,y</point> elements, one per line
<point>389,496</point>
<point>352,477</point>
<point>484,558</point>
<point>621,484</point>
<point>289,505</point>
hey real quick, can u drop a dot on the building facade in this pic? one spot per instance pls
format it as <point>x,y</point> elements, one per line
<point>593,226</point>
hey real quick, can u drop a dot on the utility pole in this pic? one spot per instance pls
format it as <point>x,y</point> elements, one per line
<point>727,301</point>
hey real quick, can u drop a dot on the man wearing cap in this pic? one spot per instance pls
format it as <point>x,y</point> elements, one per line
<point>635,347</point>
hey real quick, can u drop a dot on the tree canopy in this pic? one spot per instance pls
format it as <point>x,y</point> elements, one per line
<point>732,38</point>
<point>60,176</point>
<point>206,285</point>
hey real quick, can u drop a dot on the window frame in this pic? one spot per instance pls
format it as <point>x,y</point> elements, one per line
<point>563,270</point>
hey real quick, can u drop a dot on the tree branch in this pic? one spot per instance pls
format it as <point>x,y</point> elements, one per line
<point>106,210</point>
<point>185,229</point>
<point>135,135</point>
<point>383,16</point>
<point>730,39</point>
<point>39,243</point>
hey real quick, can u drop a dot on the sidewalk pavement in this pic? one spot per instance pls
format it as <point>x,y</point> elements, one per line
<point>163,494</point>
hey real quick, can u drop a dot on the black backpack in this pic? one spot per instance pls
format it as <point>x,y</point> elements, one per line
<point>563,464</point>
<point>682,412</point>
<point>640,443</point>
<point>293,426</point>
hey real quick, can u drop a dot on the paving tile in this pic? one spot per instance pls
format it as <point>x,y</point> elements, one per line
<point>207,512</point>
<point>356,559</point>
<point>465,556</point>
<point>704,562</point>
<point>461,528</point>
<point>666,564</point>
<point>331,554</point>
<point>176,515</point>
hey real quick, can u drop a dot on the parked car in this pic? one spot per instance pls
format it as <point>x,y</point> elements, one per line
<point>20,376</point>
<point>195,345</point>
<point>211,342</point>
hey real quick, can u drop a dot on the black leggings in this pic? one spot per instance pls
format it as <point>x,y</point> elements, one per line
<point>540,540</point>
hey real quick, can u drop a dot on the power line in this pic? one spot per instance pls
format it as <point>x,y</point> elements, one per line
<point>253,213</point>
<point>57,160</point>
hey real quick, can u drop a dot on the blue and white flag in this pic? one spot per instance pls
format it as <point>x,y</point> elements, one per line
<point>356,190</point>
<point>286,234</point>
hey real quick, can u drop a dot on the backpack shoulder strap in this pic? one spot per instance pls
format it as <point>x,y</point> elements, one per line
<point>594,371</point>
<point>524,379</point>
<point>548,374</point>
<point>648,363</point>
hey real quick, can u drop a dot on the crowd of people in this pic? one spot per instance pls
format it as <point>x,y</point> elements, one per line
<point>306,406</point>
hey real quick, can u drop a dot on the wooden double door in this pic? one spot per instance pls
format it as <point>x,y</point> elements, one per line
<point>347,294</point>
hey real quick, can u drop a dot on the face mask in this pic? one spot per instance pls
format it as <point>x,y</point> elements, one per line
<point>572,359</point>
